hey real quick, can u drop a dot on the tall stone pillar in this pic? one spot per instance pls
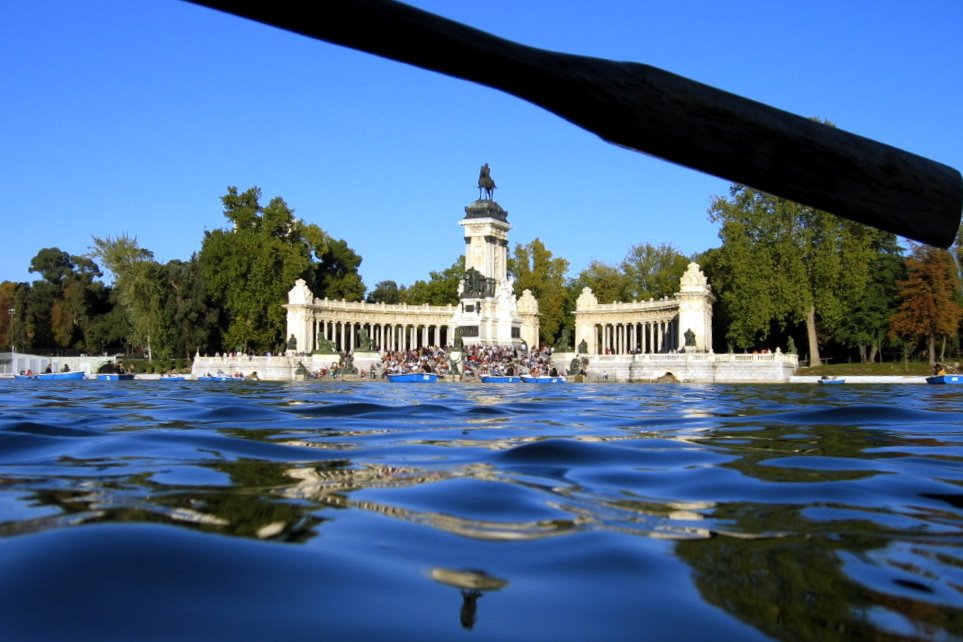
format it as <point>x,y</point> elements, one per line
<point>695,309</point>
<point>488,311</point>
<point>300,317</point>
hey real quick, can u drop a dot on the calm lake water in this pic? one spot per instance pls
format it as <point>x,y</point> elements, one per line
<point>266,511</point>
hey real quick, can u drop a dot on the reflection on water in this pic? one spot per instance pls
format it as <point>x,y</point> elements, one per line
<point>472,584</point>
<point>262,510</point>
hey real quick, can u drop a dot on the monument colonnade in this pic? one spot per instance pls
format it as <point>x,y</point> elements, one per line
<point>619,328</point>
<point>655,326</point>
<point>350,326</point>
<point>400,327</point>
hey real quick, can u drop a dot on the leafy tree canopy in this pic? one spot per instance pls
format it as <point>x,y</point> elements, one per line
<point>784,263</point>
<point>607,282</point>
<point>385,292</point>
<point>930,292</point>
<point>249,269</point>
<point>441,288</point>
<point>653,271</point>
<point>534,268</point>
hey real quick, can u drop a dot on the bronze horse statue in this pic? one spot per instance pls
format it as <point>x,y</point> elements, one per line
<point>485,183</point>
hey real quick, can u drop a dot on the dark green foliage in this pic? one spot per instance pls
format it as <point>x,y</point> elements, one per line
<point>783,264</point>
<point>248,270</point>
<point>385,292</point>
<point>534,268</point>
<point>652,271</point>
<point>440,289</point>
<point>607,283</point>
<point>867,323</point>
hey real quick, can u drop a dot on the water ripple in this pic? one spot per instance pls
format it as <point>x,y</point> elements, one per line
<point>263,510</point>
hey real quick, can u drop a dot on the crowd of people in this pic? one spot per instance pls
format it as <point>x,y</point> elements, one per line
<point>427,359</point>
<point>507,360</point>
<point>475,361</point>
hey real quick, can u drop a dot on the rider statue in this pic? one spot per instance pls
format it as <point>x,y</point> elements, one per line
<point>485,183</point>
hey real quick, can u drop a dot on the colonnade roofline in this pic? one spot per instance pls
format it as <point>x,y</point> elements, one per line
<point>620,307</point>
<point>362,306</point>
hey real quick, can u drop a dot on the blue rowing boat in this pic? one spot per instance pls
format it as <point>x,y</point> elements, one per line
<point>946,378</point>
<point>53,376</point>
<point>413,377</point>
<point>115,376</point>
<point>542,379</point>
<point>500,378</point>
<point>831,380</point>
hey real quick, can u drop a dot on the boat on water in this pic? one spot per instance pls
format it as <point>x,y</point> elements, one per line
<point>542,379</point>
<point>499,378</point>
<point>945,378</point>
<point>173,378</point>
<point>115,376</point>
<point>52,376</point>
<point>830,380</point>
<point>413,377</point>
<point>214,378</point>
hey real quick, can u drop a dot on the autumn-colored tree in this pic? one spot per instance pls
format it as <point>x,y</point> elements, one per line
<point>929,307</point>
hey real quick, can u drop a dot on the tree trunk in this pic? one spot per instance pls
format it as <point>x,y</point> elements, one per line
<point>863,357</point>
<point>931,348</point>
<point>814,360</point>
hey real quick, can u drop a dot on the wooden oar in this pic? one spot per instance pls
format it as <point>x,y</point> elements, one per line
<point>654,111</point>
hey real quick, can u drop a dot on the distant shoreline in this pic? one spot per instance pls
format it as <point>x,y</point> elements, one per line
<point>804,379</point>
<point>916,379</point>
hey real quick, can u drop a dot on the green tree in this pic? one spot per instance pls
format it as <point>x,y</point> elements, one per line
<point>607,282</point>
<point>186,308</point>
<point>534,268</point>
<point>138,280</point>
<point>109,326</point>
<point>653,271</point>
<point>785,263</point>
<point>867,321</point>
<point>53,264</point>
<point>8,294</point>
<point>929,294</point>
<point>441,288</point>
<point>336,274</point>
<point>385,292</point>
<point>59,305</point>
<point>249,269</point>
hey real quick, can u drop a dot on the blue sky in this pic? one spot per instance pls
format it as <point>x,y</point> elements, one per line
<point>133,117</point>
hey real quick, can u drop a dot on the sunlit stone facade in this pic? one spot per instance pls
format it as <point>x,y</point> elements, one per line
<point>648,327</point>
<point>487,313</point>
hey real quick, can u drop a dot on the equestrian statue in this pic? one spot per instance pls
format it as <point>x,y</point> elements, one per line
<point>485,183</point>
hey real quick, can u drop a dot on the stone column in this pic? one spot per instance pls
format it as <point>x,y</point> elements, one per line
<point>695,307</point>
